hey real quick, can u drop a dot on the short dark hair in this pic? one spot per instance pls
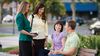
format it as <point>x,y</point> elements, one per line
<point>72,24</point>
<point>59,22</point>
<point>40,5</point>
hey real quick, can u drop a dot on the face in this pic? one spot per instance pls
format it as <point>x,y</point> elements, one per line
<point>58,27</point>
<point>40,11</point>
<point>67,27</point>
<point>27,8</point>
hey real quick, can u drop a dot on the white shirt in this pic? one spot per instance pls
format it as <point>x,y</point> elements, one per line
<point>39,26</point>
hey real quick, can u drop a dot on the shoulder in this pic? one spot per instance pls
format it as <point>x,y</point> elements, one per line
<point>35,15</point>
<point>19,15</point>
<point>53,34</point>
<point>62,33</point>
<point>75,37</point>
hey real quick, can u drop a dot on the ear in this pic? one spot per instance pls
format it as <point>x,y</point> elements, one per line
<point>70,28</point>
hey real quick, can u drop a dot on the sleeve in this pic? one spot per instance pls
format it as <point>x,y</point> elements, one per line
<point>62,34</point>
<point>20,22</point>
<point>46,29</point>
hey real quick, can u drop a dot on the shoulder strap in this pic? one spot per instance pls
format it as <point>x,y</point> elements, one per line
<point>32,19</point>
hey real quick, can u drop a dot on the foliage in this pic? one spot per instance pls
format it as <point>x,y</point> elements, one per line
<point>55,7</point>
<point>5,35</point>
<point>49,45</point>
<point>90,42</point>
<point>98,1</point>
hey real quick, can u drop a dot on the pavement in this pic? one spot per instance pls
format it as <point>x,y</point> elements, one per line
<point>6,54</point>
<point>6,42</point>
<point>10,41</point>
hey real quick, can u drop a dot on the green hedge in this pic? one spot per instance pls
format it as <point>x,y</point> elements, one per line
<point>90,42</point>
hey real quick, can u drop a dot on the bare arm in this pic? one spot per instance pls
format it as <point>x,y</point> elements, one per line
<point>63,43</point>
<point>67,53</point>
<point>27,33</point>
<point>70,52</point>
<point>52,45</point>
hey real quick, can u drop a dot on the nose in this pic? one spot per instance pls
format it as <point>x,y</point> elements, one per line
<point>65,26</point>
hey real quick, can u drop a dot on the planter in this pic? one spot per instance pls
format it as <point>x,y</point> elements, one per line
<point>87,52</point>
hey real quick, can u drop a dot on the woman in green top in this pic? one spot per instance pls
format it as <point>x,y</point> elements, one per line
<point>25,38</point>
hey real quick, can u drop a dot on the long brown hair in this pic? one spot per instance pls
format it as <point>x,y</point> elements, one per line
<point>40,5</point>
<point>22,7</point>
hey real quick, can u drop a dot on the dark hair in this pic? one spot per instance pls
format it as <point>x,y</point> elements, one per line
<point>72,24</point>
<point>40,5</point>
<point>59,22</point>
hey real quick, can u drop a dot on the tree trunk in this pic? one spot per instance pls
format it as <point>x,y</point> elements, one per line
<point>73,10</point>
<point>0,14</point>
<point>98,10</point>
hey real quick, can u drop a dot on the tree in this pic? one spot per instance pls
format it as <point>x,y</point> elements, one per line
<point>55,7</point>
<point>98,2</point>
<point>73,9</point>
<point>1,11</point>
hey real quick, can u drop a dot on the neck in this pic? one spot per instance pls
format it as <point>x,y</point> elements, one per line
<point>71,31</point>
<point>39,15</point>
<point>57,32</point>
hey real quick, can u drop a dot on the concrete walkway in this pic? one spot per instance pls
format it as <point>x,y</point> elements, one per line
<point>6,42</point>
<point>6,54</point>
<point>10,41</point>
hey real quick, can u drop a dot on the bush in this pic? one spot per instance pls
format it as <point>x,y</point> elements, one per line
<point>90,42</point>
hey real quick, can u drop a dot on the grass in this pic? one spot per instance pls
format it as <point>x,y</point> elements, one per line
<point>7,49</point>
<point>6,35</point>
<point>7,25</point>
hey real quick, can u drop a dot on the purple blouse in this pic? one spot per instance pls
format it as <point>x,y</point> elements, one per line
<point>57,40</point>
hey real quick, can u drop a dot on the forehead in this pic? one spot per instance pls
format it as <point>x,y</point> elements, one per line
<point>58,24</point>
<point>42,8</point>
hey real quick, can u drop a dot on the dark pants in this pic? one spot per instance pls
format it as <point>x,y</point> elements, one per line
<point>38,46</point>
<point>25,48</point>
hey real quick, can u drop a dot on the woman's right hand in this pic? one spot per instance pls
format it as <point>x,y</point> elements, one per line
<point>30,34</point>
<point>33,34</point>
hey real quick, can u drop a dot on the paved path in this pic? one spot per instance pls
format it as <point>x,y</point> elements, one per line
<point>10,41</point>
<point>6,54</point>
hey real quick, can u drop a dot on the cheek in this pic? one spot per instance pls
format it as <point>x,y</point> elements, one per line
<point>27,9</point>
<point>60,27</point>
<point>56,27</point>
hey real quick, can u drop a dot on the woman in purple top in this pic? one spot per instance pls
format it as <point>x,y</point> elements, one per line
<point>57,39</point>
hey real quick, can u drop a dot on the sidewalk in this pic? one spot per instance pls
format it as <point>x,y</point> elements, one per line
<point>10,41</point>
<point>6,54</point>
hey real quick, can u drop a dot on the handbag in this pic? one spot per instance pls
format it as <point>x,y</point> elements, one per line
<point>32,20</point>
